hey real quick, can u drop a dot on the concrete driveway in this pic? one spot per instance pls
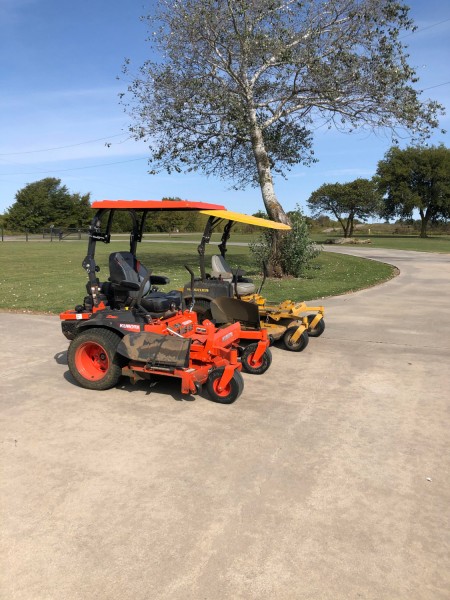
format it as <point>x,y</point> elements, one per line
<point>328,479</point>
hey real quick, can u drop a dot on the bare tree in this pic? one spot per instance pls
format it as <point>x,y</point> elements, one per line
<point>236,87</point>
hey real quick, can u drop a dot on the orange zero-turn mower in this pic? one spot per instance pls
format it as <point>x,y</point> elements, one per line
<point>111,343</point>
<point>287,321</point>
<point>125,326</point>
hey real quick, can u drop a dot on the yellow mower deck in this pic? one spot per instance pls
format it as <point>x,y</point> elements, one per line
<point>287,313</point>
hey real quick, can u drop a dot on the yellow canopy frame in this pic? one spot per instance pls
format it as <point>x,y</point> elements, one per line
<point>247,219</point>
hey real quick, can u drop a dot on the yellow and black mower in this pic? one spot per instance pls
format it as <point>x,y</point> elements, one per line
<point>289,321</point>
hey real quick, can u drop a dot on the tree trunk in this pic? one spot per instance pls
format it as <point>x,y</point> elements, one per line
<point>345,226</point>
<point>273,207</point>
<point>351,227</point>
<point>425,217</point>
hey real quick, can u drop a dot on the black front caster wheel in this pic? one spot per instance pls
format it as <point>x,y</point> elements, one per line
<point>295,346</point>
<point>249,365</point>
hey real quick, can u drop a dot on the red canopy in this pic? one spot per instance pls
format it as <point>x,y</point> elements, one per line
<point>156,205</point>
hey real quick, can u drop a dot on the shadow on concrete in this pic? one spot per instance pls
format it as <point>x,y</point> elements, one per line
<point>61,358</point>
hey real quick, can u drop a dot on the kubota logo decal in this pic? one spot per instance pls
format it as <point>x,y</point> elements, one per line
<point>130,326</point>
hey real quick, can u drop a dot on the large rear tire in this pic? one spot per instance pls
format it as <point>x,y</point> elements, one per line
<point>93,359</point>
<point>230,393</point>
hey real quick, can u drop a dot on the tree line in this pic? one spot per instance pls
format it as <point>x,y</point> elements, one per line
<point>48,204</point>
<point>409,182</point>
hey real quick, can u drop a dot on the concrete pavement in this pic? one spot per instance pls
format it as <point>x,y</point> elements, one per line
<point>327,479</point>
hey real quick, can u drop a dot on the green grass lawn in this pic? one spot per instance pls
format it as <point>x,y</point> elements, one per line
<point>48,277</point>
<point>438,243</point>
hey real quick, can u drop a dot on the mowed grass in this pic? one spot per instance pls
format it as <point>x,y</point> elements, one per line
<point>438,243</point>
<point>48,277</point>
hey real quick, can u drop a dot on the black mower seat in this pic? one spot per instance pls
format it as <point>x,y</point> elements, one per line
<point>124,267</point>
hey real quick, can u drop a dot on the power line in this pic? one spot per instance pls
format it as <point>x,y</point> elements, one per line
<point>435,86</point>
<point>61,147</point>
<point>120,162</point>
<point>418,30</point>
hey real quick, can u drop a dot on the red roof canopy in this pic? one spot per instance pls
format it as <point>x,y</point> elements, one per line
<point>156,205</point>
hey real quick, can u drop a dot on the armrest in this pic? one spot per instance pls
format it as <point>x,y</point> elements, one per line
<point>159,280</point>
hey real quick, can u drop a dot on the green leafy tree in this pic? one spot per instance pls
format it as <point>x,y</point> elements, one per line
<point>81,211</point>
<point>322,221</point>
<point>167,221</point>
<point>238,86</point>
<point>416,178</point>
<point>122,222</point>
<point>47,202</point>
<point>357,199</point>
<point>173,220</point>
<point>193,221</point>
<point>261,214</point>
<point>31,210</point>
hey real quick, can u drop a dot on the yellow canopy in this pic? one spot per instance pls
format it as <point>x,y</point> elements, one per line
<point>248,219</point>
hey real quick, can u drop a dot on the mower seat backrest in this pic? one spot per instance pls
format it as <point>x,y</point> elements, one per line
<point>121,268</point>
<point>220,268</point>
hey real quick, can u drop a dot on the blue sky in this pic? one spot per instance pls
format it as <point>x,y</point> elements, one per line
<point>59,63</point>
